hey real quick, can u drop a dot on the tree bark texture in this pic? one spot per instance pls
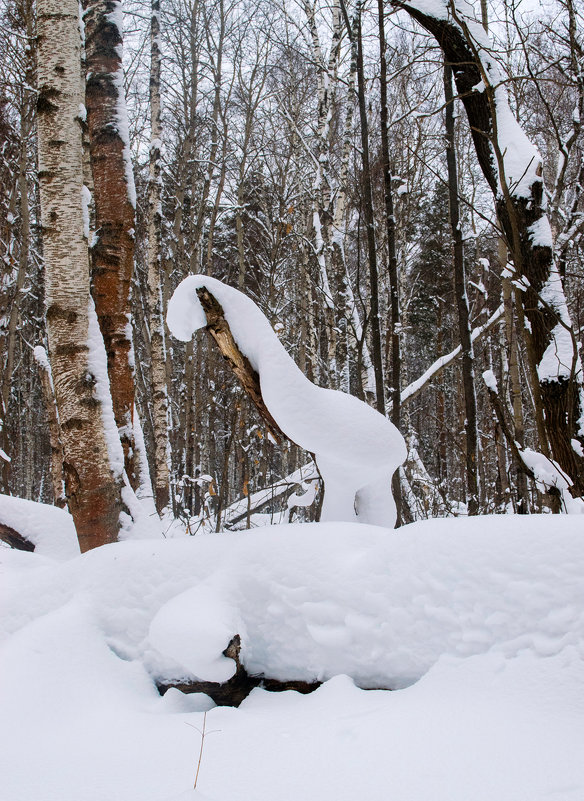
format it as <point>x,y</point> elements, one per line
<point>543,297</point>
<point>219,329</point>
<point>59,498</point>
<point>155,294</point>
<point>369,221</point>
<point>26,124</point>
<point>113,248</point>
<point>395,392</point>
<point>464,331</point>
<point>93,493</point>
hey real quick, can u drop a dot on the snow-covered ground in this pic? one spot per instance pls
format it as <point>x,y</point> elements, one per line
<point>476,624</point>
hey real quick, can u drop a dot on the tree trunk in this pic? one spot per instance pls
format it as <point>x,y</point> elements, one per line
<point>26,124</point>
<point>159,398</point>
<point>520,203</point>
<point>392,257</point>
<point>44,367</point>
<point>93,491</point>
<point>464,331</point>
<point>113,248</point>
<point>357,41</point>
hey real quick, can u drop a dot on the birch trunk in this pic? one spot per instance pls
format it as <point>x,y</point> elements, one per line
<point>114,193</point>
<point>322,216</point>
<point>93,491</point>
<point>155,295</point>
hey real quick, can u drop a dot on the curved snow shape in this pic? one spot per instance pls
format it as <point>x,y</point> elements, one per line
<point>356,448</point>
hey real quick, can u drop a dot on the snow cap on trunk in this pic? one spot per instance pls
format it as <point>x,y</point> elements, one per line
<point>356,448</point>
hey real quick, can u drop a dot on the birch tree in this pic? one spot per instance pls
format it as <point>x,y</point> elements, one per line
<point>115,199</point>
<point>92,487</point>
<point>155,288</point>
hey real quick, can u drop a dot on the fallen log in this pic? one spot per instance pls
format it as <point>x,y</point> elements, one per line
<point>233,691</point>
<point>12,537</point>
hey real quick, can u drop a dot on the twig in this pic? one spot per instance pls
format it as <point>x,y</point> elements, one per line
<point>203,734</point>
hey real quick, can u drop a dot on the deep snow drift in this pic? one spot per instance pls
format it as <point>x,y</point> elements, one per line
<point>356,448</point>
<point>482,619</point>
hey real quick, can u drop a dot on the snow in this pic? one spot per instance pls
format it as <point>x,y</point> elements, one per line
<point>541,233</point>
<point>547,472</point>
<point>41,358</point>
<point>313,600</point>
<point>479,620</point>
<point>357,449</point>
<point>204,614</point>
<point>490,381</point>
<point>50,529</point>
<point>521,159</point>
<point>306,498</point>
<point>557,359</point>
<point>85,202</point>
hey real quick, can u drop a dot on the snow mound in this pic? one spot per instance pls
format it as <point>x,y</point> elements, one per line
<point>487,613</point>
<point>315,600</point>
<point>356,448</point>
<point>49,528</point>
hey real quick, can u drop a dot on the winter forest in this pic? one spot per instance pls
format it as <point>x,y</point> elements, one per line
<point>291,398</point>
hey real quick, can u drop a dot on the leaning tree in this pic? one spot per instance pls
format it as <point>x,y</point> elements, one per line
<point>512,167</point>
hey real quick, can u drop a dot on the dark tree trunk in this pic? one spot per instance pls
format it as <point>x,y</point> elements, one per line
<point>356,37</point>
<point>395,393</point>
<point>464,330</point>
<point>560,394</point>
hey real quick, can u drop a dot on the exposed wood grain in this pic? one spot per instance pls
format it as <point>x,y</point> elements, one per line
<point>218,327</point>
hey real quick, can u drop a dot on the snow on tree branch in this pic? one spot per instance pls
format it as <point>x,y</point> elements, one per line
<point>357,449</point>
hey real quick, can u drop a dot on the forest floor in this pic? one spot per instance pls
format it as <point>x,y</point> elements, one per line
<point>474,626</point>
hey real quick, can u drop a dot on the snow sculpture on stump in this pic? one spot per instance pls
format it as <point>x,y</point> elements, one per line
<point>357,449</point>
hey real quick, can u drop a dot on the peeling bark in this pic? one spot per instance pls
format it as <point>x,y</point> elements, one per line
<point>113,249</point>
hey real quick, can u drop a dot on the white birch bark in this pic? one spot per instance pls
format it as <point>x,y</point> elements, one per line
<point>93,491</point>
<point>155,299</point>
